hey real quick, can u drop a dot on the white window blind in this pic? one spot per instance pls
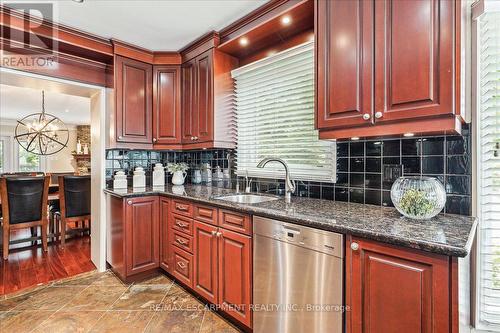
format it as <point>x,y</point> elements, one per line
<point>275,117</point>
<point>489,169</point>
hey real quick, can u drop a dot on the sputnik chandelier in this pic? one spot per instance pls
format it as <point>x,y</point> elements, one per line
<point>42,133</point>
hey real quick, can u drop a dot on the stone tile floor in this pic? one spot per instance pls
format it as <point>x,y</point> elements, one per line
<point>100,302</point>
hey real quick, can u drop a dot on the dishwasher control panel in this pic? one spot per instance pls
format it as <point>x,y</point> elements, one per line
<point>319,240</point>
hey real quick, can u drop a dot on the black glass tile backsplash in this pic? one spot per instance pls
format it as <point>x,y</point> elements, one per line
<point>363,168</point>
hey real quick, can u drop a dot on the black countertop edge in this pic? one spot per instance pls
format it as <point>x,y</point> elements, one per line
<point>317,222</point>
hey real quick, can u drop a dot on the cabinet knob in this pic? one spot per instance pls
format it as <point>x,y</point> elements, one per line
<point>379,115</point>
<point>120,137</point>
<point>366,116</point>
<point>129,202</point>
<point>218,234</point>
<point>354,246</point>
<point>192,138</point>
<point>214,233</point>
<point>154,140</point>
<point>195,138</point>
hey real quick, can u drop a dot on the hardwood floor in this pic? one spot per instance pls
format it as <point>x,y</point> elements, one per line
<point>30,266</point>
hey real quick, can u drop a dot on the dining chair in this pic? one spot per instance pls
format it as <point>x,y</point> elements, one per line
<point>74,202</point>
<point>24,205</point>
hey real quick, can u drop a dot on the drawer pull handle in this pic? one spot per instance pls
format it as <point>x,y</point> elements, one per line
<point>181,241</point>
<point>181,265</point>
<point>181,224</point>
<point>181,207</point>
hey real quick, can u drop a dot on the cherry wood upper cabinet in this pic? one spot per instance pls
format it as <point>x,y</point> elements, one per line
<point>133,89</point>
<point>142,234</point>
<point>207,101</point>
<point>387,67</point>
<point>189,109</point>
<point>235,275</point>
<point>414,59</point>
<point>205,119</point>
<point>344,63</point>
<point>390,289</point>
<point>166,105</point>
<point>205,261</point>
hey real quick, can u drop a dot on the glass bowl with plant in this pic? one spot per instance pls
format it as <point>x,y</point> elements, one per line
<point>178,171</point>
<point>418,197</point>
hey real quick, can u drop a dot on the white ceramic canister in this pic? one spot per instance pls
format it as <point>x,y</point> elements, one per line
<point>159,175</point>
<point>139,179</point>
<point>120,180</point>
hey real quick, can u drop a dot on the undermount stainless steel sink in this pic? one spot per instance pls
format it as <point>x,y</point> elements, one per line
<point>246,198</point>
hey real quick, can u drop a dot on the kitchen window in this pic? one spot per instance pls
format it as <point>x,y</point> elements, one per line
<point>275,118</point>
<point>488,168</point>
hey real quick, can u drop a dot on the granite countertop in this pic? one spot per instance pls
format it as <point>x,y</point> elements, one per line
<point>444,234</point>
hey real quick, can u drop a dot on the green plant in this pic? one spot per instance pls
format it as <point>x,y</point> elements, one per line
<point>415,203</point>
<point>174,167</point>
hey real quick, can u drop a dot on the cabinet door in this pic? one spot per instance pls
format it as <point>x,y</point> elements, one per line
<point>205,261</point>
<point>235,273</point>
<point>344,63</point>
<point>414,52</point>
<point>142,234</point>
<point>390,289</point>
<point>189,111</point>
<point>204,88</point>
<point>165,235</point>
<point>133,88</point>
<point>166,105</point>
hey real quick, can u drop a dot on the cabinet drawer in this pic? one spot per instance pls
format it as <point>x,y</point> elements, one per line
<point>183,241</point>
<point>182,207</point>
<point>183,266</point>
<point>205,214</point>
<point>182,223</point>
<point>235,221</point>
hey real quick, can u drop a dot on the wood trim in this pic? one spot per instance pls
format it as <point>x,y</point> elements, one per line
<point>255,18</point>
<point>71,40</point>
<point>131,51</point>
<point>167,58</point>
<point>436,125</point>
<point>454,301</point>
<point>200,45</point>
<point>59,65</point>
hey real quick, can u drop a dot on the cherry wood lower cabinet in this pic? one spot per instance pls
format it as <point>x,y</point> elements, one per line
<point>205,264</point>
<point>133,235</point>
<point>390,289</point>
<point>165,236</point>
<point>235,275</point>
<point>223,269</point>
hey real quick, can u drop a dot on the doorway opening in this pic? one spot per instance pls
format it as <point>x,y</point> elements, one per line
<point>81,108</point>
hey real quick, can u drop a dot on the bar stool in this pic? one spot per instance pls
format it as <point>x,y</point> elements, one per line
<point>74,201</point>
<point>24,205</point>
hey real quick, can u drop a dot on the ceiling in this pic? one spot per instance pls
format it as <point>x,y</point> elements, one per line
<point>18,102</point>
<point>166,25</point>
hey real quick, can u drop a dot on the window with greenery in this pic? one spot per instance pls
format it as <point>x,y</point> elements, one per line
<point>28,161</point>
<point>275,117</point>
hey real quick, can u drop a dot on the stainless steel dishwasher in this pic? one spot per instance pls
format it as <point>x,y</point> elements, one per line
<point>297,278</point>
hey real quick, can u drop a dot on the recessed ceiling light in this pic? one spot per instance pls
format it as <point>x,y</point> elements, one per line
<point>79,1</point>
<point>355,138</point>
<point>408,134</point>
<point>243,41</point>
<point>286,20</point>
